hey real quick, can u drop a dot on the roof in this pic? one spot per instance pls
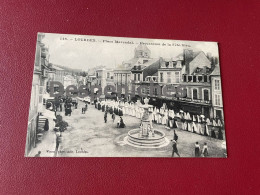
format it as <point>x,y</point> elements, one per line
<point>69,77</point>
<point>142,47</point>
<point>56,67</point>
<point>145,65</point>
<point>216,71</point>
<point>124,65</point>
<point>199,71</point>
<point>155,74</point>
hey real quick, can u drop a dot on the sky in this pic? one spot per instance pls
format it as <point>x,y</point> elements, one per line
<point>75,52</point>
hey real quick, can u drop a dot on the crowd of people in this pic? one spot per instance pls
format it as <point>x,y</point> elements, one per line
<point>113,108</point>
<point>198,124</point>
<point>58,103</point>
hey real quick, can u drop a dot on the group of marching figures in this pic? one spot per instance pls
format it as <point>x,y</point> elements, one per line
<point>182,120</point>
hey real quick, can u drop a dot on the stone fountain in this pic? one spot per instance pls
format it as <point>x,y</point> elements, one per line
<point>146,136</point>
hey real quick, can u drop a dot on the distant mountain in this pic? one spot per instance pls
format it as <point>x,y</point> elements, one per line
<point>73,70</point>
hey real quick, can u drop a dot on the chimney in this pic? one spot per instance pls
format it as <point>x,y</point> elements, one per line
<point>188,57</point>
<point>178,65</point>
<point>209,55</point>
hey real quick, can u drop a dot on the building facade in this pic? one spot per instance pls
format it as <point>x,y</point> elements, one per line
<point>39,83</point>
<point>217,102</point>
<point>191,71</point>
<point>131,70</point>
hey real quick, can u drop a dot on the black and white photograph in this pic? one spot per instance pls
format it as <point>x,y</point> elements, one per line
<point>101,96</point>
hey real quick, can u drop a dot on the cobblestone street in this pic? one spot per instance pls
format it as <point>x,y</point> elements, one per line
<point>88,135</point>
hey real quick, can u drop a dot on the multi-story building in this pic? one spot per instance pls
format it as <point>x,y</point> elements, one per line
<point>59,74</point>
<point>104,77</point>
<point>40,76</point>
<point>196,80</point>
<point>140,75</point>
<point>190,70</point>
<point>122,74</point>
<point>216,89</point>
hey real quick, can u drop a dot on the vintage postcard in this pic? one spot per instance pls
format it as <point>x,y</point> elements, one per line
<point>97,96</point>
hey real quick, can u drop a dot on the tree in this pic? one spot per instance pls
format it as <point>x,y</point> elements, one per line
<point>60,124</point>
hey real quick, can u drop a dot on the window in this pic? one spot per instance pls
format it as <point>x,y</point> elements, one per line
<point>138,77</point>
<point>119,77</point>
<point>217,99</point>
<point>206,95</point>
<point>168,77</point>
<point>177,77</point>
<point>185,93</point>
<point>135,77</point>
<point>161,77</point>
<point>155,91</point>
<point>36,95</point>
<point>184,78</point>
<point>195,94</point>
<point>32,98</point>
<point>194,78</point>
<point>205,78</point>
<point>217,85</point>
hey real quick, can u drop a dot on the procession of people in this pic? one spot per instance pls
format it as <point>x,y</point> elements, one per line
<point>170,119</point>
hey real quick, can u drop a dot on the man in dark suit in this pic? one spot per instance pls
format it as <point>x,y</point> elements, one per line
<point>174,148</point>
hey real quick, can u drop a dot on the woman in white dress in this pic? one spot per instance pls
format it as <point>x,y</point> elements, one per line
<point>170,118</point>
<point>123,109</point>
<point>126,108</point>
<point>157,115</point>
<point>163,113</point>
<point>193,125</point>
<point>141,112</point>
<point>154,114</point>
<point>199,128</point>
<point>208,121</point>
<point>134,108</point>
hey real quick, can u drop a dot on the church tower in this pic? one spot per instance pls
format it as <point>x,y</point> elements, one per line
<point>142,51</point>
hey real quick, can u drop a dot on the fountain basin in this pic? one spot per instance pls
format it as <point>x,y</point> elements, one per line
<point>135,138</point>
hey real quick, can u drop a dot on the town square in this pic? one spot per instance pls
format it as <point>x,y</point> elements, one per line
<point>121,114</point>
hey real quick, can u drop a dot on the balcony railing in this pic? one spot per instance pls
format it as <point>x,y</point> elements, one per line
<point>195,100</point>
<point>196,79</point>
